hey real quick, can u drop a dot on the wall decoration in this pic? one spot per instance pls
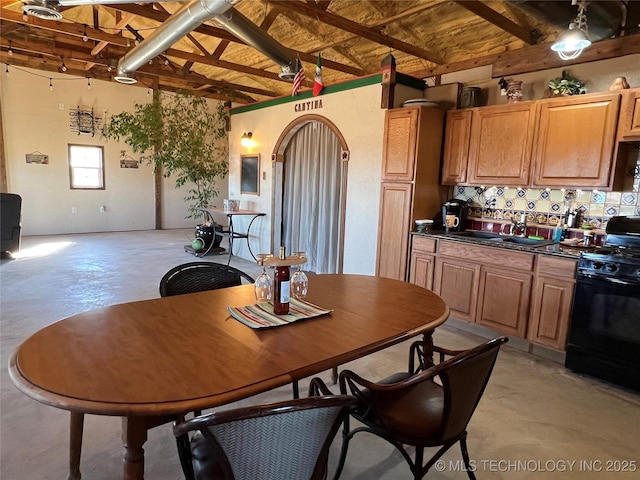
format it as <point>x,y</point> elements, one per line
<point>250,174</point>
<point>83,120</point>
<point>37,157</point>
<point>126,161</point>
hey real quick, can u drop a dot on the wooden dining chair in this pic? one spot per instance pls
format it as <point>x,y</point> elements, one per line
<point>430,405</point>
<point>201,276</point>
<point>190,278</point>
<point>284,440</point>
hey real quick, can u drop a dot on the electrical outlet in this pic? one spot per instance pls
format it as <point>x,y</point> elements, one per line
<point>61,106</point>
<point>74,210</point>
<point>102,208</point>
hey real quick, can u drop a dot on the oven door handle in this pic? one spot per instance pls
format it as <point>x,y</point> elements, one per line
<point>603,278</point>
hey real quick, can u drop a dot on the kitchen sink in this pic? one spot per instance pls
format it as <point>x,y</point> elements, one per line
<point>496,237</point>
<point>478,234</point>
<point>528,241</point>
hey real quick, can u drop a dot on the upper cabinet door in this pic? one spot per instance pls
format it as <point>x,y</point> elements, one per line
<point>629,127</point>
<point>399,150</point>
<point>456,147</point>
<point>501,143</point>
<point>575,141</point>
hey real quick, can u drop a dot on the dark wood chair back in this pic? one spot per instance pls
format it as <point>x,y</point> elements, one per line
<point>283,440</point>
<point>201,276</point>
<point>430,406</point>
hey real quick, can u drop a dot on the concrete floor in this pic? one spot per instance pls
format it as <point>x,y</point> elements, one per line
<point>536,420</point>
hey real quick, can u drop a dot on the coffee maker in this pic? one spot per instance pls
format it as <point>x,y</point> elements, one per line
<point>454,215</point>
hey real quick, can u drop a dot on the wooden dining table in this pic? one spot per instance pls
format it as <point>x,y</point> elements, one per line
<point>152,361</point>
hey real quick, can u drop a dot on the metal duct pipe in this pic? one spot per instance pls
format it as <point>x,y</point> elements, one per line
<point>244,29</point>
<point>175,27</point>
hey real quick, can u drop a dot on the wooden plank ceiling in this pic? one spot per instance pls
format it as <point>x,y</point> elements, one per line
<point>427,38</point>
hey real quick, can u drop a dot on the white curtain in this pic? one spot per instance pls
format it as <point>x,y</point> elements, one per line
<point>311,203</point>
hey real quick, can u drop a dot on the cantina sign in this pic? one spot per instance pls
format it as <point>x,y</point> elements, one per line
<point>306,106</point>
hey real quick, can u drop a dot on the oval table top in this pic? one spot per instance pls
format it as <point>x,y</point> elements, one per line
<point>182,353</point>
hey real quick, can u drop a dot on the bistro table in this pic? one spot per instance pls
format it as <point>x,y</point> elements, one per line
<point>153,360</point>
<point>230,231</point>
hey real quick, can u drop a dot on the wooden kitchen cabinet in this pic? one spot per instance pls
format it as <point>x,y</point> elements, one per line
<point>395,214</point>
<point>456,281</point>
<point>552,298</point>
<point>500,144</point>
<point>410,187</point>
<point>456,147</point>
<point>503,300</point>
<point>475,283</point>
<point>575,141</point>
<point>629,123</point>
<point>399,146</point>
<point>522,294</point>
<point>422,263</point>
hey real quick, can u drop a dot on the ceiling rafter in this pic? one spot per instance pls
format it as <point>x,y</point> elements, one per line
<point>500,21</point>
<point>317,13</point>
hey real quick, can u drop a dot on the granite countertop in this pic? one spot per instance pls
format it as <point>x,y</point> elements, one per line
<point>545,248</point>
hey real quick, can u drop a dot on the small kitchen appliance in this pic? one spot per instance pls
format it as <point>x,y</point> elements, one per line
<point>604,336</point>
<point>454,215</point>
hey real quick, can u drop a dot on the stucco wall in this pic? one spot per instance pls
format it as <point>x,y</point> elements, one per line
<point>36,119</point>
<point>358,116</point>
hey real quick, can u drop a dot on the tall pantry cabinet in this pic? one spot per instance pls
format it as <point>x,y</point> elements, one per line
<point>410,187</point>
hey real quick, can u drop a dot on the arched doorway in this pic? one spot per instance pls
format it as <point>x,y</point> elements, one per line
<point>310,173</point>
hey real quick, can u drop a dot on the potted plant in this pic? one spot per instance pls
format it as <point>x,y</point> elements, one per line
<point>181,136</point>
<point>566,85</point>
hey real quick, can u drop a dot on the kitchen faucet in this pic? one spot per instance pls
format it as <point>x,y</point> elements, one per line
<point>519,227</point>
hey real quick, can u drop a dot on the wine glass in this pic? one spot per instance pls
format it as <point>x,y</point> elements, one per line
<point>264,284</point>
<point>299,280</point>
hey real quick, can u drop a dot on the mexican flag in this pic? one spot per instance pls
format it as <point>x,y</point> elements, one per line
<point>317,82</point>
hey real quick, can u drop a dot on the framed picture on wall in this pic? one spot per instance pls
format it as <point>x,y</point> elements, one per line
<point>250,174</point>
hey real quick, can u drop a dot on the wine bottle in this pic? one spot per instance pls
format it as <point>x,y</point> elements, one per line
<point>281,287</point>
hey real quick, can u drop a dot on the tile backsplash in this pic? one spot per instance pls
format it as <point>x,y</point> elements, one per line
<point>547,206</point>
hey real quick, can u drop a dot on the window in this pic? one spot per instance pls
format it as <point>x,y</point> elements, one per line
<point>86,167</point>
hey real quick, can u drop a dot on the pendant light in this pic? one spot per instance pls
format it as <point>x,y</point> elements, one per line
<point>572,42</point>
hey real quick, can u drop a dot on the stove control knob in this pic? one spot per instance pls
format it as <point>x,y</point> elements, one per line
<point>612,267</point>
<point>598,265</point>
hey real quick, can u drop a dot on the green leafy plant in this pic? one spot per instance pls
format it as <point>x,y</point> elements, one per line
<point>180,135</point>
<point>566,85</point>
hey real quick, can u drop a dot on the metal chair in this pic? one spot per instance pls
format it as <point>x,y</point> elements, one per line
<point>190,278</point>
<point>200,276</point>
<point>283,440</point>
<point>410,408</point>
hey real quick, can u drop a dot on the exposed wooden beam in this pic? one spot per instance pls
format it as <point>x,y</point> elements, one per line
<point>126,20</point>
<point>538,57</point>
<point>317,13</point>
<point>541,57</point>
<point>73,29</point>
<point>491,16</point>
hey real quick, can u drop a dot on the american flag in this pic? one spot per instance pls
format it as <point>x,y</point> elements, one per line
<point>298,79</point>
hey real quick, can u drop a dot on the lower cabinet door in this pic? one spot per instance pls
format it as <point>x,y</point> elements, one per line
<point>421,270</point>
<point>503,300</point>
<point>551,311</point>
<point>456,281</point>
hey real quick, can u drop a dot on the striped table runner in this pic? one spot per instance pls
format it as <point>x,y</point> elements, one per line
<point>260,315</point>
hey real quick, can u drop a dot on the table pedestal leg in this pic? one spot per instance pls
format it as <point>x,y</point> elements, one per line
<point>134,434</point>
<point>427,341</point>
<point>75,445</point>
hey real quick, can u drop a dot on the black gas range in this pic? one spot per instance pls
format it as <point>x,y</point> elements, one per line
<point>604,336</point>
